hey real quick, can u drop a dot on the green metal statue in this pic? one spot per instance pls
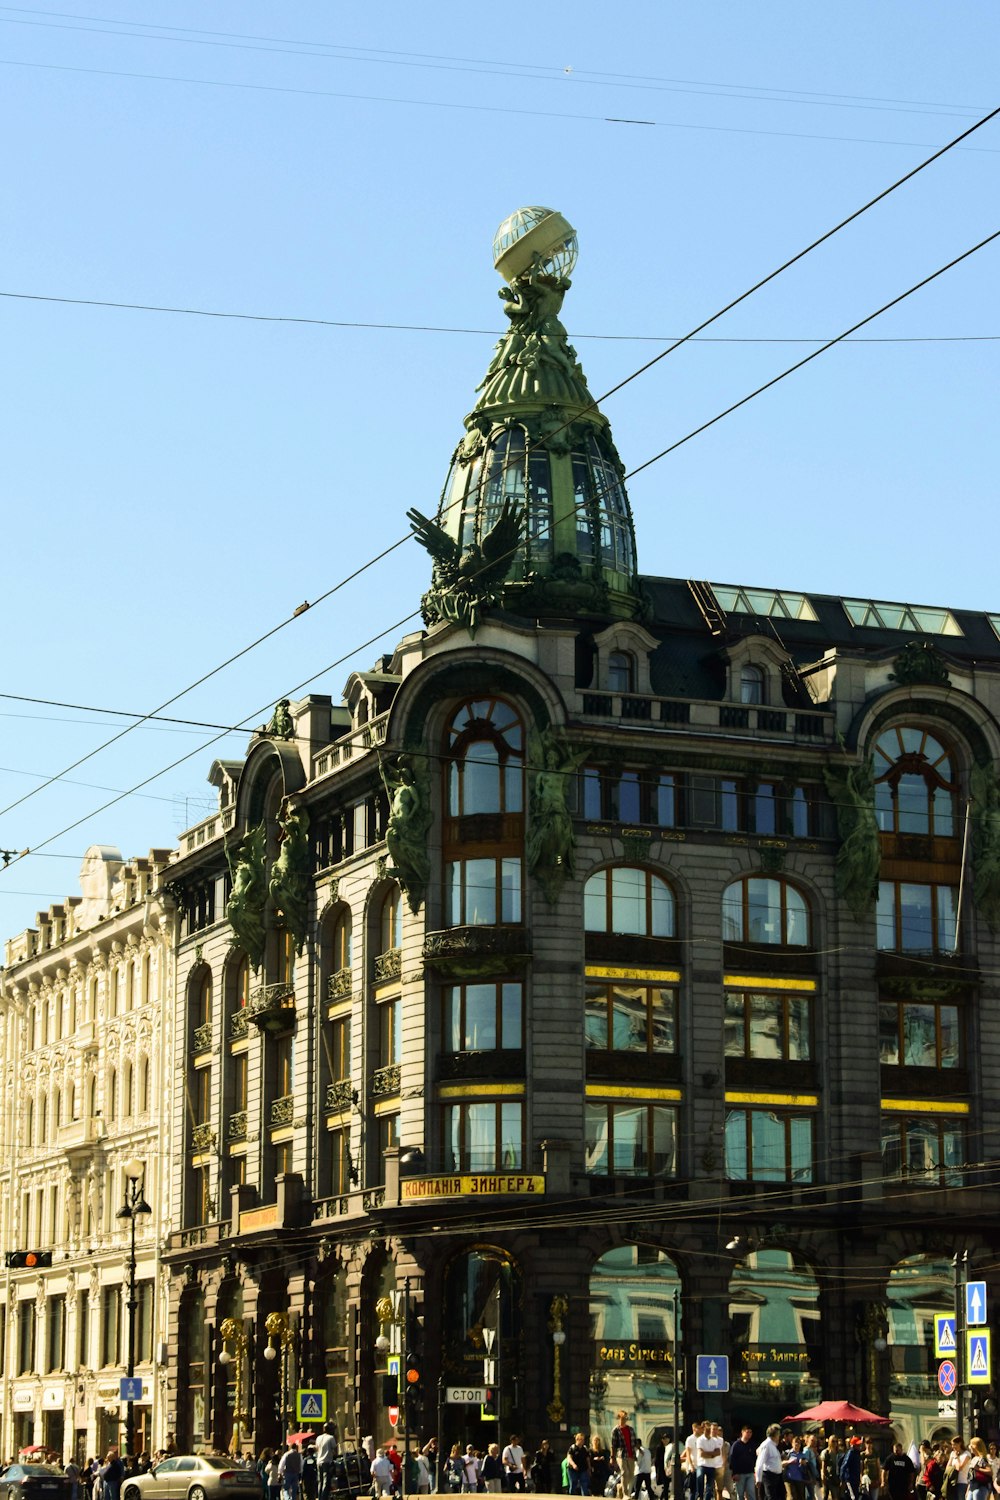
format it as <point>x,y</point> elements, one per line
<point>852,790</point>
<point>290,886</point>
<point>245,907</point>
<point>986,843</point>
<point>551,844</point>
<point>467,581</point>
<point>409,822</point>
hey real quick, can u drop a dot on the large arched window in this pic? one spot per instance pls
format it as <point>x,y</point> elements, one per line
<point>625,899</point>
<point>914,783</point>
<point>633,1297</point>
<point>764,910</point>
<point>777,1335</point>
<point>484,826</point>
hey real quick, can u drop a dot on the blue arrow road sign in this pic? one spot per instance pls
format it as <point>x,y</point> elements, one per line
<point>712,1372</point>
<point>130,1388</point>
<point>945,1341</point>
<point>975,1304</point>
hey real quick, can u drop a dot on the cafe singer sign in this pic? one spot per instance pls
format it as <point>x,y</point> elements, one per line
<point>634,1352</point>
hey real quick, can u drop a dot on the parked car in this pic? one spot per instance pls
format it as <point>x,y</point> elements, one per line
<point>34,1482</point>
<point>189,1476</point>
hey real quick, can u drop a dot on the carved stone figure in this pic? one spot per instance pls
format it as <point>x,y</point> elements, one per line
<point>290,885</point>
<point>986,843</point>
<point>406,831</point>
<point>852,790</point>
<point>466,581</point>
<point>920,661</point>
<point>245,907</point>
<point>281,726</point>
<point>550,847</point>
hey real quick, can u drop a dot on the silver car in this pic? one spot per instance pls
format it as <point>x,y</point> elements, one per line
<point>192,1476</point>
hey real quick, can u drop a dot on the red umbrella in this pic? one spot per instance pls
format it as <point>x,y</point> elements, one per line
<point>305,1436</point>
<point>838,1411</point>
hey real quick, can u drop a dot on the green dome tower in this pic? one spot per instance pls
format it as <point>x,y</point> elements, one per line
<point>534,517</point>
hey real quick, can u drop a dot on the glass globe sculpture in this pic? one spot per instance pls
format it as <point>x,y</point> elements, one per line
<point>534,232</point>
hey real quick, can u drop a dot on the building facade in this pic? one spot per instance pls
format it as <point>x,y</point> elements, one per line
<point>84,997</point>
<point>610,979</point>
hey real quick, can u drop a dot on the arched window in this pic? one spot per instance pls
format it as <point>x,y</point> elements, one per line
<point>632,1301</point>
<point>751,684</point>
<point>484,828</point>
<point>242,983</point>
<point>621,672</point>
<point>629,900</point>
<point>486,753</point>
<point>914,783</point>
<point>391,922</point>
<point>764,910</point>
<point>774,1305</point>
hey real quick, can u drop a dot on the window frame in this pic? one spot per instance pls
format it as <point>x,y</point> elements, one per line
<point>459,1111</point>
<point>788,1118</point>
<point>594,984</point>
<point>609,1110</point>
<point>785,999</point>
<point>650,903</point>
<point>450,1024</point>
<point>786,917</point>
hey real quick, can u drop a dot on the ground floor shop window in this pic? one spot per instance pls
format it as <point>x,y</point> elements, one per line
<point>777,1341</point>
<point>919,1288</point>
<point>633,1302</point>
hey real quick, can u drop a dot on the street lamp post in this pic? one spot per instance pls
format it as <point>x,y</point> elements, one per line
<point>232,1332</point>
<point>277,1326</point>
<point>134,1205</point>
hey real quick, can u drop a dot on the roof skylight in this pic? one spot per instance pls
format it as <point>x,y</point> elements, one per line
<point>877,614</point>
<point>765,603</point>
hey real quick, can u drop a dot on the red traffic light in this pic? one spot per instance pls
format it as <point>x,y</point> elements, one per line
<point>412,1376</point>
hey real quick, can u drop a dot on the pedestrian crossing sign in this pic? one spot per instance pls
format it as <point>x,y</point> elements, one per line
<point>977,1357</point>
<point>945,1343</point>
<point>310,1406</point>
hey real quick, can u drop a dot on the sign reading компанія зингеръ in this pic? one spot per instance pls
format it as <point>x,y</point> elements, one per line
<point>479,1185</point>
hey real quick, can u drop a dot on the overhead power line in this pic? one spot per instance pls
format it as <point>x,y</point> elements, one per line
<point>621,338</point>
<point>497,67</point>
<point>467,108</point>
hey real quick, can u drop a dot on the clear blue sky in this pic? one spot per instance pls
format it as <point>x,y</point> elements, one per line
<point>173,485</point>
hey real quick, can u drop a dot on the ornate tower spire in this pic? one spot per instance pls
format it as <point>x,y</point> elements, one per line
<point>534,516</point>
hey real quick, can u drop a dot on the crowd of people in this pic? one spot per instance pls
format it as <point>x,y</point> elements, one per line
<point>783,1465</point>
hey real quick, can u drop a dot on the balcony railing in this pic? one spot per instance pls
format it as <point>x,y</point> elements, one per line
<point>238,1025</point>
<point>339,986</point>
<point>388,966</point>
<point>282,1111</point>
<point>201,1037</point>
<point>202,1138</point>
<point>362,740</point>
<point>787,723</point>
<point>237,1126</point>
<point>339,1095</point>
<point>385,1081</point>
<point>272,1006</point>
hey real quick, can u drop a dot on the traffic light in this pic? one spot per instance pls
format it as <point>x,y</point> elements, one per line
<point>411,1379</point>
<point>30,1259</point>
<point>490,1409</point>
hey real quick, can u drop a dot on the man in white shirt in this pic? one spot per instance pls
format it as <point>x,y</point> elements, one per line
<point>382,1476</point>
<point>769,1471</point>
<point>326,1452</point>
<point>708,1448</point>
<point>512,1459</point>
<point>689,1459</point>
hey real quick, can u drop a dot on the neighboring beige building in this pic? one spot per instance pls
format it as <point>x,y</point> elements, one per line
<point>83,1020</point>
